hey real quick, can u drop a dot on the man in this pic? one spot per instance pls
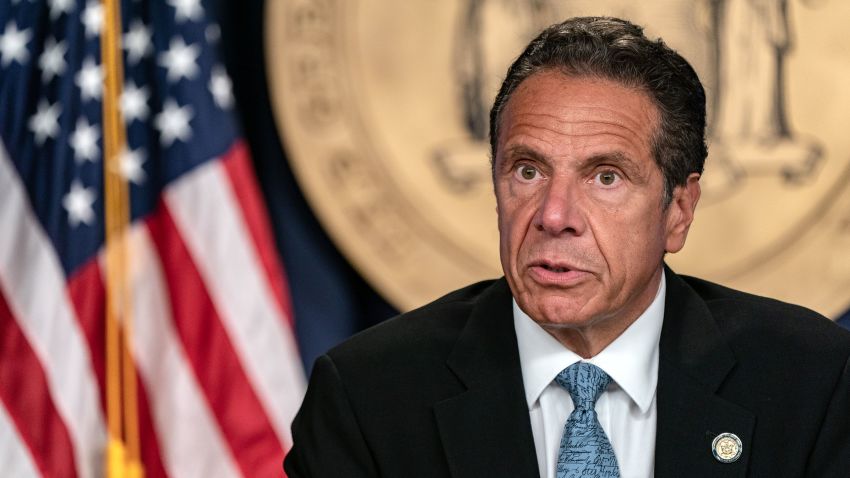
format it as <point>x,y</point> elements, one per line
<point>590,358</point>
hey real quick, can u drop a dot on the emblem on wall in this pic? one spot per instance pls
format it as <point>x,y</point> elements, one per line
<point>384,108</point>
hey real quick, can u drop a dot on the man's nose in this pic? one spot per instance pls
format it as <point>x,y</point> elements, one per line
<point>561,209</point>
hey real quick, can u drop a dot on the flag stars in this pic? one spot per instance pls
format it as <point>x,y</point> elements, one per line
<point>173,123</point>
<point>137,42</point>
<point>84,141</point>
<point>134,103</point>
<point>90,80</point>
<point>221,88</point>
<point>79,203</point>
<point>13,44</point>
<point>52,60</point>
<point>45,122</point>
<point>212,33</point>
<point>92,18</point>
<point>186,10</point>
<point>58,7</point>
<point>179,60</point>
<point>130,166</point>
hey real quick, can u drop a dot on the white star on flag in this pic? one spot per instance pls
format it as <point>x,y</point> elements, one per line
<point>186,10</point>
<point>173,123</point>
<point>137,42</point>
<point>84,141</point>
<point>93,18</point>
<point>45,122</point>
<point>52,60</point>
<point>212,33</point>
<point>179,60</point>
<point>134,103</point>
<point>78,202</point>
<point>58,7</point>
<point>221,87</point>
<point>90,80</point>
<point>13,44</point>
<point>130,166</point>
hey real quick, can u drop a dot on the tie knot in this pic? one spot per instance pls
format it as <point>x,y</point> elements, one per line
<point>585,382</point>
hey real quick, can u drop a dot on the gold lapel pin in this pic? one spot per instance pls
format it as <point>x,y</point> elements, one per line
<point>727,447</point>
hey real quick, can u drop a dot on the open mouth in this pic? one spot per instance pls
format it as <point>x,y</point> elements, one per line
<point>557,273</point>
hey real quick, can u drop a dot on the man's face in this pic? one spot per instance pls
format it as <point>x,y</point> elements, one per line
<point>582,225</point>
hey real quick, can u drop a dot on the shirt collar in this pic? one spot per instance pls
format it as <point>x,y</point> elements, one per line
<point>631,360</point>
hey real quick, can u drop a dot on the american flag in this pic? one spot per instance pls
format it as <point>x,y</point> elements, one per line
<point>218,373</point>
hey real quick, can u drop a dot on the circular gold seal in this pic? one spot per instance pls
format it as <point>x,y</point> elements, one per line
<point>727,447</point>
<point>383,107</point>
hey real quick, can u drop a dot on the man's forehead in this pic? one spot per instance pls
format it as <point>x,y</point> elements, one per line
<point>560,108</point>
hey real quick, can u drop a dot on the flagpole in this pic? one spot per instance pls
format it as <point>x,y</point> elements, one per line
<point>124,452</point>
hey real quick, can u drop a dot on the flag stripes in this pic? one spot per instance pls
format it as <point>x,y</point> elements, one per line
<point>247,192</point>
<point>211,354</point>
<point>148,438</point>
<point>210,330</point>
<point>208,390</point>
<point>88,296</point>
<point>16,458</point>
<point>50,326</point>
<point>87,292</point>
<point>215,234</point>
<point>25,394</point>
<point>190,440</point>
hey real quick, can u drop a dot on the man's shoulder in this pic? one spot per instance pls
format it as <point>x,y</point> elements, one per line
<point>431,329</point>
<point>751,318</point>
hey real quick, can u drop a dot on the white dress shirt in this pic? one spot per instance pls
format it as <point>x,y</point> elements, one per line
<point>627,409</point>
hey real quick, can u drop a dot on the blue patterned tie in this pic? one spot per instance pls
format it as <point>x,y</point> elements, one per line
<point>585,449</point>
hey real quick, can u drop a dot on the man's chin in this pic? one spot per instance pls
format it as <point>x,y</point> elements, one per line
<point>560,324</point>
<point>557,313</point>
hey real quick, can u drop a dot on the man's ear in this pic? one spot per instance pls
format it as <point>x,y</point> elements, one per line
<point>680,213</point>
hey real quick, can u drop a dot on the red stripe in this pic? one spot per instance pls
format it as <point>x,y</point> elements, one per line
<point>88,296</point>
<point>24,391</point>
<point>237,163</point>
<point>217,367</point>
<point>149,443</point>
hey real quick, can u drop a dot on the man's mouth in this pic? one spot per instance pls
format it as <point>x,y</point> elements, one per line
<point>556,273</point>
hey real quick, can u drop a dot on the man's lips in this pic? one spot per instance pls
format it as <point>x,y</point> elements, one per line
<point>556,265</point>
<point>556,273</point>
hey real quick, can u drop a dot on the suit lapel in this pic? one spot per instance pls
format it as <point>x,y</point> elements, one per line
<point>695,361</point>
<point>485,430</point>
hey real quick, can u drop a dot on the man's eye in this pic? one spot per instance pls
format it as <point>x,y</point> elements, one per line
<point>607,178</point>
<point>527,172</point>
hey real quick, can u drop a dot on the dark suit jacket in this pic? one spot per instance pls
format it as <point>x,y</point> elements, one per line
<point>438,391</point>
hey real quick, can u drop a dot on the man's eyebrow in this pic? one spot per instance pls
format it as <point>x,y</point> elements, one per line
<point>615,158</point>
<point>618,159</point>
<point>524,151</point>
